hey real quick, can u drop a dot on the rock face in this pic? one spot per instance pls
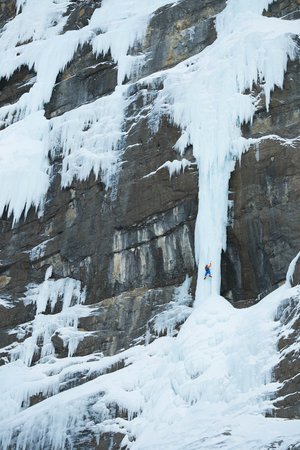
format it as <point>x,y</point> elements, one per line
<point>287,371</point>
<point>7,11</point>
<point>132,245</point>
<point>265,189</point>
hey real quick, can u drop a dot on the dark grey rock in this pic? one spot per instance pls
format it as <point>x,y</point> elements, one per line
<point>119,322</point>
<point>264,235</point>
<point>7,11</point>
<point>287,371</point>
<point>177,32</point>
<point>17,85</point>
<point>286,9</point>
<point>85,79</point>
<point>79,13</point>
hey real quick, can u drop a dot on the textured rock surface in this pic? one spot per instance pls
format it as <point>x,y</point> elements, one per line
<point>176,33</point>
<point>84,80</point>
<point>7,11</point>
<point>288,370</point>
<point>115,323</point>
<point>265,190</point>
<point>20,83</point>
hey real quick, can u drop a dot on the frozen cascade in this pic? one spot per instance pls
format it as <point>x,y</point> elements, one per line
<point>210,385</point>
<point>207,102</point>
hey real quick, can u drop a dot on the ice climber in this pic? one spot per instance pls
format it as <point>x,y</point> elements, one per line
<point>207,271</point>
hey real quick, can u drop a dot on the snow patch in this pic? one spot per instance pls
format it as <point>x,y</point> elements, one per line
<point>38,251</point>
<point>123,24</point>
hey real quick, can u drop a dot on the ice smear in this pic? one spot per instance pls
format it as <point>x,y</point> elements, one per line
<point>90,135</point>
<point>204,96</point>
<point>48,294</point>
<point>289,142</point>
<point>48,21</point>
<point>39,250</point>
<point>291,270</point>
<point>177,312</point>
<point>174,167</point>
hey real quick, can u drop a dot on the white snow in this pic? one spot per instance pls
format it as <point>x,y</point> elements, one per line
<point>39,250</point>
<point>123,24</point>
<point>288,142</point>
<point>291,270</point>
<point>49,21</point>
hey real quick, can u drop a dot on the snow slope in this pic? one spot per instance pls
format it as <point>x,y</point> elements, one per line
<point>209,386</point>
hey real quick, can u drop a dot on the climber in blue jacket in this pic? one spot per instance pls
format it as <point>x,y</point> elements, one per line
<point>207,271</point>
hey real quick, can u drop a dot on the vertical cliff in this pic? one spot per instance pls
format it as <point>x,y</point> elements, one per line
<point>121,125</point>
